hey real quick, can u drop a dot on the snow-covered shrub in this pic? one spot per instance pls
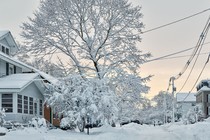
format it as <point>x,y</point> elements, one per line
<point>193,115</point>
<point>68,123</point>
<point>42,122</point>
<point>38,122</point>
<point>2,115</point>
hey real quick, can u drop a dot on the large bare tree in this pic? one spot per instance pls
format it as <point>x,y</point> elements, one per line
<point>98,36</point>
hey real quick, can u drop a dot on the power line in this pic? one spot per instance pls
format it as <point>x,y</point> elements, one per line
<point>180,56</point>
<point>171,54</point>
<point>197,78</point>
<point>176,21</point>
<point>198,48</point>
<point>201,46</point>
<point>199,43</point>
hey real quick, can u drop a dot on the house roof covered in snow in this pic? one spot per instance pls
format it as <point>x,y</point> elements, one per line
<point>180,97</point>
<point>27,68</point>
<point>203,83</point>
<point>17,81</point>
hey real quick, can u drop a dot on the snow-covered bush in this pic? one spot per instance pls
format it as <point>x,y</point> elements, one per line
<point>68,123</point>
<point>193,115</point>
<point>2,115</point>
<point>38,122</point>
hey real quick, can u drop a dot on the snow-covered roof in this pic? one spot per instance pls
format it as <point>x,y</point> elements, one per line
<point>48,77</point>
<point>205,88</point>
<point>17,81</point>
<point>205,82</point>
<point>180,97</point>
<point>28,68</point>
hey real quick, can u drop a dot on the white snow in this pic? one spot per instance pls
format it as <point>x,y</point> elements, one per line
<point>177,131</point>
<point>205,88</point>
<point>47,77</point>
<point>16,81</point>
<point>189,97</point>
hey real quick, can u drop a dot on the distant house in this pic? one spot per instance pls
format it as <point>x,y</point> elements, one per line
<point>185,102</point>
<point>203,96</point>
<point>22,87</point>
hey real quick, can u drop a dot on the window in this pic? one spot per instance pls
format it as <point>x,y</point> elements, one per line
<point>40,107</point>
<point>7,68</point>
<point>7,102</point>
<point>25,104</point>
<point>208,97</point>
<point>15,69</point>
<point>35,108</point>
<point>31,108</point>
<point>7,51</point>
<point>20,104</point>
<point>3,49</point>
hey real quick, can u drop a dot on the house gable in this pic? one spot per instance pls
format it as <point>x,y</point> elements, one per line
<point>7,42</point>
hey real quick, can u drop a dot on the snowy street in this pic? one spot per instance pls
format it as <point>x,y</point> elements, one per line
<point>178,131</point>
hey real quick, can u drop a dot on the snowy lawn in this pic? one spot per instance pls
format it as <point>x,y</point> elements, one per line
<point>177,131</point>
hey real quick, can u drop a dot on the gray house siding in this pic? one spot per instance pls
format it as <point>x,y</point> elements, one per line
<point>3,69</point>
<point>18,70</point>
<point>202,99</point>
<point>4,42</point>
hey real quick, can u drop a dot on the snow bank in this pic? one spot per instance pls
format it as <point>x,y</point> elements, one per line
<point>132,131</point>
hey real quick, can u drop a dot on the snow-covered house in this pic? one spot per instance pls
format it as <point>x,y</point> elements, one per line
<point>203,96</point>
<point>185,102</point>
<point>22,87</point>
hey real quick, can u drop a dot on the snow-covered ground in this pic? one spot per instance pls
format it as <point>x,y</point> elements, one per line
<point>177,131</point>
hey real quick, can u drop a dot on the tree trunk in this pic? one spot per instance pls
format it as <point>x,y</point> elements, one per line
<point>81,125</point>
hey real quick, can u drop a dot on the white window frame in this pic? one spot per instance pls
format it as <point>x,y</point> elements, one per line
<point>25,102</point>
<point>19,103</point>
<point>31,105</point>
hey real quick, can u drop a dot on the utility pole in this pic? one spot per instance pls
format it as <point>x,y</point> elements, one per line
<point>165,107</point>
<point>173,93</point>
